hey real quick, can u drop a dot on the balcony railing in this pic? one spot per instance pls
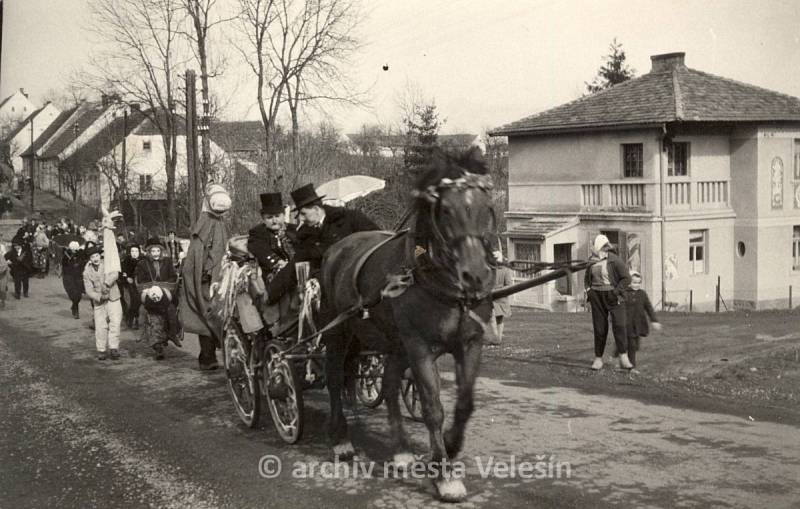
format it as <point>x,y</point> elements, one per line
<point>678,194</point>
<point>627,195</point>
<point>712,193</point>
<point>592,195</point>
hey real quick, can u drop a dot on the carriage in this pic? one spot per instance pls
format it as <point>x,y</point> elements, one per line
<point>273,366</point>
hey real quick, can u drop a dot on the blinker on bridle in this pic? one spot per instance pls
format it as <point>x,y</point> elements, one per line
<point>432,195</point>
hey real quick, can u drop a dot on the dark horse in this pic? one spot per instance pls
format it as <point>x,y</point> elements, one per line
<point>446,309</point>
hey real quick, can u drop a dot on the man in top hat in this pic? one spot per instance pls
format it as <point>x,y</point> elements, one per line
<point>320,227</point>
<point>154,269</point>
<point>271,240</point>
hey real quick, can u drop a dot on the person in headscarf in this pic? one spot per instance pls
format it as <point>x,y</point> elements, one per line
<point>606,282</point>
<point>40,249</point>
<point>72,265</point>
<point>200,268</point>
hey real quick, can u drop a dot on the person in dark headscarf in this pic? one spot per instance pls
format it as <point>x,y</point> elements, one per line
<point>200,267</point>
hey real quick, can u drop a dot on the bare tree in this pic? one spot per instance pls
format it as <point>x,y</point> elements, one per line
<point>256,19</point>
<point>203,16</point>
<point>141,62</point>
<point>311,42</point>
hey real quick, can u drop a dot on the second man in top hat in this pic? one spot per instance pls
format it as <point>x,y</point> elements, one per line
<point>271,240</point>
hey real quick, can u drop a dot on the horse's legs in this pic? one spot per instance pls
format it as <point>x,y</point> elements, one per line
<point>467,362</point>
<point>336,350</point>
<point>393,373</point>
<point>426,376</point>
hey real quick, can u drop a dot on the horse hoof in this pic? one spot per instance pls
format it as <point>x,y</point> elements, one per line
<point>403,460</point>
<point>450,490</point>
<point>344,452</point>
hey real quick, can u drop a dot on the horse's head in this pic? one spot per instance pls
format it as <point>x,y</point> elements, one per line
<point>455,216</point>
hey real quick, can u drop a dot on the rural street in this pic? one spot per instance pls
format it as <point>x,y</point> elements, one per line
<point>76,432</point>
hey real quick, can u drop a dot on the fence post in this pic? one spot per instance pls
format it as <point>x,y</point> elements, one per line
<point>716,304</point>
<point>690,301</point>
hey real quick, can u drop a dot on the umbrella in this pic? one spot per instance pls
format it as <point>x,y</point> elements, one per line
<point>346,189</point>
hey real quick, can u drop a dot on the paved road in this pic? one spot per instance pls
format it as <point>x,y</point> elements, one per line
<point>76,432</point>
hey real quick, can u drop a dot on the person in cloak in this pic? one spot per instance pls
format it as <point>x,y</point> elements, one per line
<point>201,266</point>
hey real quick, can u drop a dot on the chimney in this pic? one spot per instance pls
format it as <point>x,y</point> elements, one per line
<point>667,61</point>
<point>22,91</point>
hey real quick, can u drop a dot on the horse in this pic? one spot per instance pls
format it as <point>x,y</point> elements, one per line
<point>446,309</point>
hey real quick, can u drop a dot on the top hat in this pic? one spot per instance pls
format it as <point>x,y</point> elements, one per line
<point>271,203</point>
<point>305,196</point>
<point>93,250</point>
<point>155,241</point>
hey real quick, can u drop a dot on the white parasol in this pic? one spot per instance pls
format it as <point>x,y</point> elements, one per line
<point>349,188</point>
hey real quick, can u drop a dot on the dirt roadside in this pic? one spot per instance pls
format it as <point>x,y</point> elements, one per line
<point>749,359</point>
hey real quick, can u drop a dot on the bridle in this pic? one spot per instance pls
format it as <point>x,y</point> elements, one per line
<point>440,253</point>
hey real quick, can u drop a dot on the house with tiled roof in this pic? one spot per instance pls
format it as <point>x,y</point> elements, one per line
<point>694,177</point>
<point>18,139</point>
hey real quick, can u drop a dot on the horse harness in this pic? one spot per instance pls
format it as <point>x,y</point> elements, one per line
<point>398,284</point>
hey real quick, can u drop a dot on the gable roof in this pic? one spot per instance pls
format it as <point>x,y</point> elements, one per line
<point>49,132</point>
<point>148,128</point>
<point>86,115</point>
<point>19,126</point>
<point>105,140</point>
<point>240,136</point>
<point>670,92</point>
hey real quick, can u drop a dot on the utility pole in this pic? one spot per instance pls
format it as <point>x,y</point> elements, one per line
<point>33,166</point>
<point>194,176</point>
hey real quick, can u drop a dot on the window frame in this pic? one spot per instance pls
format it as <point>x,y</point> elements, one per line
<point>693,245</point>
<point>796,248</point>
<point>796,158</point>
<point>687,155</point>
<point>145,183</point>
<point>147,145</point>
<point>625,160</point>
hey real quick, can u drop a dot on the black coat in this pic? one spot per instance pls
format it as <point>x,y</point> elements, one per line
<point>639,313</point>
<point>146,272</point>
<point>72,266</point>
<point>20,266</point>
<point>268,249</point>
<point>339,223</point>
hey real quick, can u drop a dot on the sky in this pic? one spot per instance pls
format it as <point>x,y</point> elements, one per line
<point>484,62</point>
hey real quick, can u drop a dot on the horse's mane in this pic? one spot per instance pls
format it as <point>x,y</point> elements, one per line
<point>452,165</point>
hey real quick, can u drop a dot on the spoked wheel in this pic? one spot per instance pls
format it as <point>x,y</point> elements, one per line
<point>243,381</point>
<point>283,392</point>
<point>369,389</point>
<point>408,389</point>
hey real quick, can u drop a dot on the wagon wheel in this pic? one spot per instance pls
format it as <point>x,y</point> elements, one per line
<point>283,392</point>
<point>369,390</point>
<point>243,381</point>
<point>408,388</point>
